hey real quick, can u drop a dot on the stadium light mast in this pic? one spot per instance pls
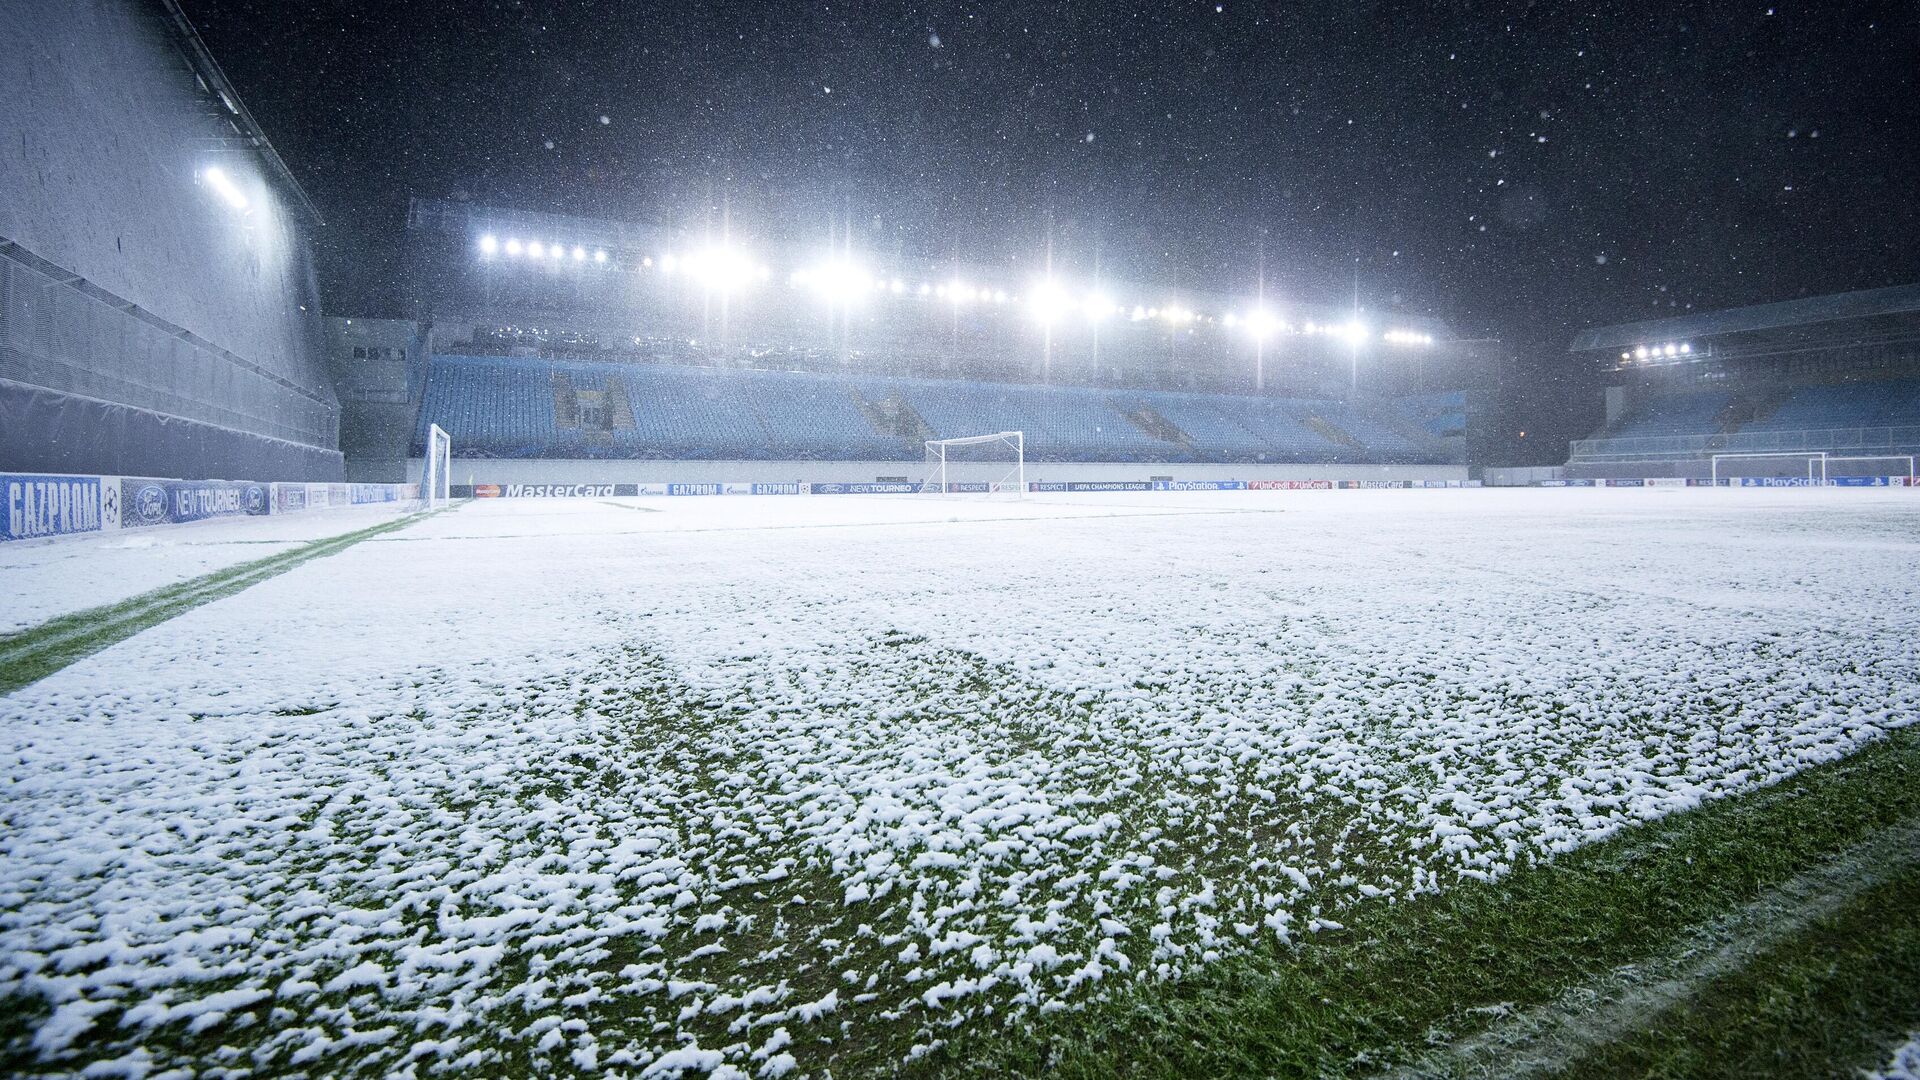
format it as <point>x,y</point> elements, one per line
<point>1260,335</point>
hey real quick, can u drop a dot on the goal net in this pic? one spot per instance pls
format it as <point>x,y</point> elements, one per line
<point>1785,469</point>
<point>436,470</point>
<point>1873,468</point>
<point>977,465</point>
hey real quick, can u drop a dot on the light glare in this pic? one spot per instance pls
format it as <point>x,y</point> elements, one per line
<point>224,186</point>
<point>1048,301</point>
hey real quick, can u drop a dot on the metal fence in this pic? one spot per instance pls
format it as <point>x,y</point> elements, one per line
<point>64,333</point>
<point>1857,440</point>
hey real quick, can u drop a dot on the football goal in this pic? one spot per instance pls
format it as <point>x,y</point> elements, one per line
<point>435,470</point>
<point>993,464</point>
<point>1791,468</point>
<point>1875,466</point>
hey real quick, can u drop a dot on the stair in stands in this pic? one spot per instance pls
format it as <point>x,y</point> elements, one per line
<point>566,404</point>
<point>1332,434</point>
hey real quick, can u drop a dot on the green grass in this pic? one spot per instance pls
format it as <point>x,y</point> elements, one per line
<point>1403,978</point>
<point>1841,994</point>
<point>30,655</point>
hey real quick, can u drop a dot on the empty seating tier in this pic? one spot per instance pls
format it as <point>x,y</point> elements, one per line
<point>520,407</point>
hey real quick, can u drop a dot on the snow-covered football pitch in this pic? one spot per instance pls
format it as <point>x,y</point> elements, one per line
<point>848,784</point>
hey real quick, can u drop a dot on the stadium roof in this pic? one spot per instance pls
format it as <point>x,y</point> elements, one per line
<point>1807,311</point>
<point>247,131</point>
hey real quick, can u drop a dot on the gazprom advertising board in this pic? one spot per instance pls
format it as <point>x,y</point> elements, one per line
<point>33,505</point>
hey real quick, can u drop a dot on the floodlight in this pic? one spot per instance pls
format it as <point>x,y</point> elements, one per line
<point>838,282</point>
<point>513,246</point>
<point>223,185</point>
<point>646,260</point>
<point>999,296</point>
<point>1138,313</point>
<point>1640,353</point>
<point>1686,348</point>
<point>1047,300</point>
<point>959,292</point>
<point>1626,356</point>
<point>1232,320</point>
<point>1262,323</point>
<point>898,286</point>
<point>669,263</point>
<point>1098,306</point>
<point>579,254</point>
<point>1673,350</point>
<point>925,288</point>
<point>722,269</point>
<point>489,245</point>
<point>535,250</point>
<point>600,255</point>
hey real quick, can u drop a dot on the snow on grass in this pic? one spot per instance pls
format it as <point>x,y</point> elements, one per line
<point>46,579</point>
<point>1902,1064</point>
<point>756,786</point>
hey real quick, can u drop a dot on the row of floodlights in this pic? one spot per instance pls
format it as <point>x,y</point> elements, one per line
<point>841,283</point>
<point>1654,352</point>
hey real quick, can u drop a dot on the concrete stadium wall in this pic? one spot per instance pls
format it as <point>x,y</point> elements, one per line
<point>577,471</point>
<point>143,288</point>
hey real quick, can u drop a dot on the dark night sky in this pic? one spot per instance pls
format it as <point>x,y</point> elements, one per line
<point>1519,170</point>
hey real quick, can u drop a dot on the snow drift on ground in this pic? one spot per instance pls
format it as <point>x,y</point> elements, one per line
<point>750,786</point>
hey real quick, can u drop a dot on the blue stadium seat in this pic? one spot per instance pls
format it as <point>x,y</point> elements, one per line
<point>1673,414</point>
<point>506,407</point>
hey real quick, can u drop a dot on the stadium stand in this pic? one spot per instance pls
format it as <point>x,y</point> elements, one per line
<point>1442,415</point>
<point>1832,374</point>
<point>505,406</point>
<point>1673,414</point>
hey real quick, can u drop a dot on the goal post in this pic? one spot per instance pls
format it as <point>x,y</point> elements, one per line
<point>993,464</point>
<point>1798,467</point>
<point>437,468</point>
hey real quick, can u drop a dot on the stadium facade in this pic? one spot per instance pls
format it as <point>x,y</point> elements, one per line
<point>1774,384</point>
<point>158,308</point>
<point>562,349</point>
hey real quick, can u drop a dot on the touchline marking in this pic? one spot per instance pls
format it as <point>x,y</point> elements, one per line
<point>1629,998</point>
<point>821,525</point>
<point>30,655</point>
